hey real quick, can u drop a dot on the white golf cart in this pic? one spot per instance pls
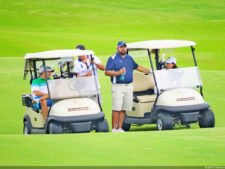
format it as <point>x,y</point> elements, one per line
<point>167,97</point>
<point>76,105</point>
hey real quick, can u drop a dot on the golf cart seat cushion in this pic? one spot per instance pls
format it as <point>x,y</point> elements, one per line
<point>146,98</point>
<point>142,82</point>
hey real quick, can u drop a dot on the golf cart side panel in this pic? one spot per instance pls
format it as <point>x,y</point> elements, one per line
<point>74,107</point>
<point>180,97</point>
<point>34,116</point>
<point>139,109</point>
<point>37,120</point>
<point>143,94</point>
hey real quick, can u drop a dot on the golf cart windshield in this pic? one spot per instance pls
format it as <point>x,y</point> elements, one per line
<point>73,87</point>
<point>176,78</point>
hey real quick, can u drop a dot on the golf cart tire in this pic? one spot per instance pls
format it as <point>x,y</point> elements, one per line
<point>206,119</point>
<point>164,121</point>
<point>26,128</point>
<point>102,126</point>
<point>126,126</point>
<point>55,128</point>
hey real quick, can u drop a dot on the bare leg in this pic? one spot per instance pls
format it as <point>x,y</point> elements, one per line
<point>45,97</point>
<point>121,118</point>
<point>115,119</point>
<point>44,108</point>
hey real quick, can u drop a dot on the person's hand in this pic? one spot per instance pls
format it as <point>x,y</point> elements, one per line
<point>89,73</point>
<point>147,71</point>
<point>44,97</point>
<point>92,59</point>
<point>121,71</point>
<point>47,96</point>
<point>85,61</point>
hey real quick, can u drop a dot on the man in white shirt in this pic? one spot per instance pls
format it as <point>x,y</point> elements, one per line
<point>83,65</point>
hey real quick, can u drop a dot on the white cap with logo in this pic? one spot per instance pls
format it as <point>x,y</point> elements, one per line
<point>171,59</point>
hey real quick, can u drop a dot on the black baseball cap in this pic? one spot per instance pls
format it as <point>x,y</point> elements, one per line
<point>121,43</point>
<point>81,47</point>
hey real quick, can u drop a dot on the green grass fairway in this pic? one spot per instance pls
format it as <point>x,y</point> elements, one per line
<point>203,147</point>
<point>32,26</point>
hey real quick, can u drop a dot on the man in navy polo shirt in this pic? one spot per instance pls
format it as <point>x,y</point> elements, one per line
<point>120,68</point>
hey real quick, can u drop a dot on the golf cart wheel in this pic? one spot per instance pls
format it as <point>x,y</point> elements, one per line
<point>126,126</point>
<point>26,128</point>
<point>55,128</point>
<point>164,121</point>
<point>102,126</point>
<point>206,119</point>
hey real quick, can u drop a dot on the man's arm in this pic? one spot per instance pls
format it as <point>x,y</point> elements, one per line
<point>97,62</point>
<point>109,71</point>
<point>89,73</point>
<point>114,73</point>
<point>43,96</point>
<point>142,69</point>
<point>38,93</point>
<point>100,66</point>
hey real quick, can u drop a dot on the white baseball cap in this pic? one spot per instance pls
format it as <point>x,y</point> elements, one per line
<point>171,59</point>
<point>45,68</point>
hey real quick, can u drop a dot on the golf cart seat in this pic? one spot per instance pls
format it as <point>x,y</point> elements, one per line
<point>143,95</point>
<point>27,101</point>
<point>145,98</point>
<point>143,88</point>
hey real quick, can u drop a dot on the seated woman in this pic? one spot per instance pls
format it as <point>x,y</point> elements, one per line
<point>40,91</point>
<point>171,63</point>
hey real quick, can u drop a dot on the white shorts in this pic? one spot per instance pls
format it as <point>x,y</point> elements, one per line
<point>122,97</point>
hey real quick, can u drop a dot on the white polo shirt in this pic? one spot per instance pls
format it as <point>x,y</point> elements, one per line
<point>81,68</point>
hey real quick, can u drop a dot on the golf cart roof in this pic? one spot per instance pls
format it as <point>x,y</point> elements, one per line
<point>160,44</point>
<point>52,55</point>
<point>56,54</point>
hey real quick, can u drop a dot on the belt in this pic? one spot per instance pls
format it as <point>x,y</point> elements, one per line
<point>122,84</point>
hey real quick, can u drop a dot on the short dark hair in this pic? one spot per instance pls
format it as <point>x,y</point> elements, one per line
<point>81,47</point>
<point>175,66</point>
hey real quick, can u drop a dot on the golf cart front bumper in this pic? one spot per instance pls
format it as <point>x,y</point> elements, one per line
<point>186,114</point>
<point>77,124</point>
<point>183,109</point>
<point>77,119</point>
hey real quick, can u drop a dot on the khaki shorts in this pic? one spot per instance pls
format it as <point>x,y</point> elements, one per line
<point>122,97</point>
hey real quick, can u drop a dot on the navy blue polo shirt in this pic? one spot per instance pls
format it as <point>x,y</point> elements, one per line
<point>116,63</point>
